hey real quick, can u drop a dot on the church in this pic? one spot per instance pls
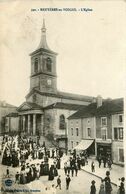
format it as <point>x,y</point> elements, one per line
<point>46,109</point>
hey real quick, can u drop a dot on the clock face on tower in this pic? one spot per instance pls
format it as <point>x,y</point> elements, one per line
<point>49,82</point>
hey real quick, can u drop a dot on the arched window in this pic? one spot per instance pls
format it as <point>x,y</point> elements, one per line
<point>36,65</point>
<point>62,123</point>
<point>48,64</point>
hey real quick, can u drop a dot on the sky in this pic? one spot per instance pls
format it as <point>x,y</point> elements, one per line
<point>90,45</point>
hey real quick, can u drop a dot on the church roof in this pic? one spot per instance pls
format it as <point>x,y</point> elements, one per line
<point>75,96</point>
<point>12,114</point>
<point>34,105</point>
<point>62,105</point>
<point>108,107</point>
<point>29,106</point>
<point>64,95</point>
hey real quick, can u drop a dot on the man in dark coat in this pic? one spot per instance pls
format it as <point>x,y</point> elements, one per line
<point>99,160</point>
<point>72,169</point>
<point>79,162</point>
<point>65,168</point>
<point>104,161</point>
<point>67,182</point>
<point>58,163</point>
<point>41,169</point>
<point>76,168</point>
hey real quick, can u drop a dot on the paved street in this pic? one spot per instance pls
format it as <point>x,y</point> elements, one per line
<point>78,185</point>
<point>116,172</point>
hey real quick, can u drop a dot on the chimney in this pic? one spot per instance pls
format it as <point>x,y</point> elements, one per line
<point>99,101</point>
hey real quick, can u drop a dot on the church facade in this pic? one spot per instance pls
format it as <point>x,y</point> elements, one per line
<point>45,111</point>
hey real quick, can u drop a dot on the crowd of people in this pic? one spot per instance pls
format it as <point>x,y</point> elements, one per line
<point>17,150</point>
<point>33,161</point>
<point>106,160</point>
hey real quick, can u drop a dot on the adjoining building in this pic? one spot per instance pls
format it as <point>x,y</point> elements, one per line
<point>103,123</point>
<point>46,109</point>
<point>107,125</point>
<point>11,126</point>
<point>82,129</point>
<point>5,109</point>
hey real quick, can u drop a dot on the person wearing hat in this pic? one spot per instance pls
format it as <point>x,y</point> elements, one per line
<point>93,188</point>
<point>122,189</point>
<point>108,187</point>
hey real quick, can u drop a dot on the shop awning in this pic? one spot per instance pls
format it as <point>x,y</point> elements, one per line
<point>84,144</point>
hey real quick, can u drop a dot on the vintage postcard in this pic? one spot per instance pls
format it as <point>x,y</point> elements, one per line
<point>62,91</point>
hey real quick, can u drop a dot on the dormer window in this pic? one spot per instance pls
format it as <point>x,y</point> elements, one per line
<point>48,64</point>
<point>36,65</point>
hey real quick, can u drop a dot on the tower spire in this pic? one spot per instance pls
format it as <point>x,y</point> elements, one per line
<point>43,26</point>
<point>43,42</point>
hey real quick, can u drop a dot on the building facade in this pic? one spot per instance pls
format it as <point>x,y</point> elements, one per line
<point>117,137</point>
<point>107,126</point>
<point>103,123</point>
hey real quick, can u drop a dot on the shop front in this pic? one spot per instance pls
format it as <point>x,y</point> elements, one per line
<point>104,150</point>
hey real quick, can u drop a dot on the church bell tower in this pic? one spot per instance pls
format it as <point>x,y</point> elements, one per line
<point>43,66</point>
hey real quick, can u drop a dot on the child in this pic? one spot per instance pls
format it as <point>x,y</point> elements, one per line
<point>7,172</point>
<point>58,183</point>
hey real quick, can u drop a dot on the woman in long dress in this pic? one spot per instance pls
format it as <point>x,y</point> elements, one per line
<point>108,187</point>
<point>102,187</point>
<point>51,173</point>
